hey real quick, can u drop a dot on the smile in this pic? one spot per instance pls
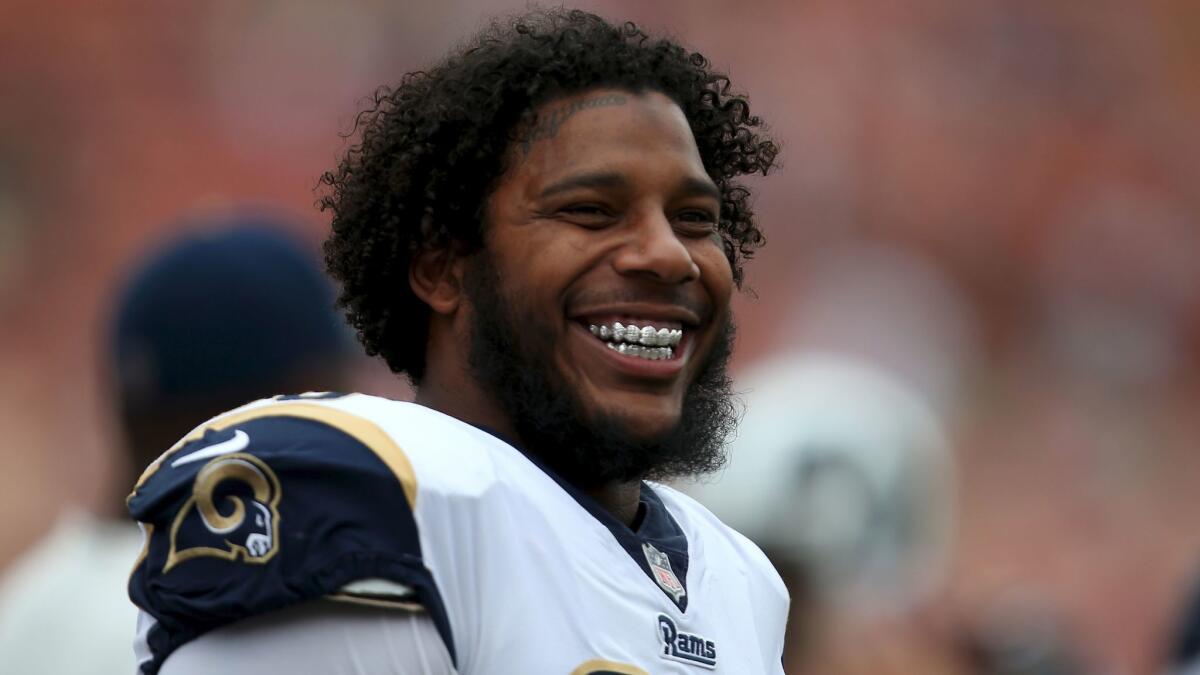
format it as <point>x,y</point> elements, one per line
<point>645,342</point>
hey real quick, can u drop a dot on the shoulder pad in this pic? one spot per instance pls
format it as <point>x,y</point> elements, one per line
<point>270,505</point>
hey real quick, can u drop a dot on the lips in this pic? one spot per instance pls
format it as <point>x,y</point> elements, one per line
<point>646,340</point>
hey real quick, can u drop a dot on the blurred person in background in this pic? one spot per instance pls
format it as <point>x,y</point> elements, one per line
<point>543,232</point>
<point>844,474</point>
<point>234,311</point>
<point>1182,654</point>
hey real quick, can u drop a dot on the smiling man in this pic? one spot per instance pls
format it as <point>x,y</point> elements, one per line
<point>543,233</point>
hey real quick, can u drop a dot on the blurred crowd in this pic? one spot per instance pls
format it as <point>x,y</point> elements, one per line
<point>983,238</point>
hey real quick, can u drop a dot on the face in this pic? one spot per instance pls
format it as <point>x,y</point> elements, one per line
<point>606,218</point>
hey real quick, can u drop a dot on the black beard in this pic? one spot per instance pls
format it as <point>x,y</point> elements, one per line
<point>588,447</point>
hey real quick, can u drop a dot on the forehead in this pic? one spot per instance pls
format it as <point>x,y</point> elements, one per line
<point>607,129</point>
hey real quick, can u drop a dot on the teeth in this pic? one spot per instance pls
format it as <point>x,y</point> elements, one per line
<point>646,336</point>
<point>649,353</point>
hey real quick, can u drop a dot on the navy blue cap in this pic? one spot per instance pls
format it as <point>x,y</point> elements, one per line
<point>231,307</point>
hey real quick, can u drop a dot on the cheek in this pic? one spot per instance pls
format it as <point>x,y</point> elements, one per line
<point>716,274</point>
<point>571,262</point>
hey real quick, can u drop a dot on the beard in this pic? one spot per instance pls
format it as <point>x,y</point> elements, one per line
<point>582,444</point>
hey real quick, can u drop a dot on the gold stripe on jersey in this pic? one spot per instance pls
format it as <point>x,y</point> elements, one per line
<point>360,429</point>
<point>410,605</point>
<point>603,666</point>
<point>145,548</point>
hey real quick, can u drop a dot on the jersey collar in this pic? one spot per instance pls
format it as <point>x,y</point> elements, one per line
<point>656,527</point>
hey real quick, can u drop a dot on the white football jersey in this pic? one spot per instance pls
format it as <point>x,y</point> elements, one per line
<point>364,499</point>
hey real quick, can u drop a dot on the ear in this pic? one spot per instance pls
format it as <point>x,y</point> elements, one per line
<point>436,278</point>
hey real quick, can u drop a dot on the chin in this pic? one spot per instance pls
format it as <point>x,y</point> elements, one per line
<point>646,426</point>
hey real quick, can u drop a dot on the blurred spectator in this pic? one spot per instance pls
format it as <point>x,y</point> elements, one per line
<point>1183,651</point>
<point>233,312</point>
<point>1022,634</point>
<point>843,475</point>
<point>839,469</point>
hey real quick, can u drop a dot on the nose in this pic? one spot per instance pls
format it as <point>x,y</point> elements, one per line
<point>655,250</point>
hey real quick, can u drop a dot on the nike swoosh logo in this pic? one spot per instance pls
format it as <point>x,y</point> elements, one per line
<point>239,442</point>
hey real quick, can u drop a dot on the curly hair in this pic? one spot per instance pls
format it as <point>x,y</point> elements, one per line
<point>431,149</point>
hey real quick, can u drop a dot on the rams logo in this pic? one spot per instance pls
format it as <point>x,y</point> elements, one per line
<point>233,512</point>
<point>685,647</point>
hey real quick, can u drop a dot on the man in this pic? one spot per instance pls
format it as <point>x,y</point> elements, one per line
<point>247,287</point>
<point>543,233</point>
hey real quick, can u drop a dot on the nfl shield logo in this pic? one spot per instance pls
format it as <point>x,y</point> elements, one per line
<point>660,566</point>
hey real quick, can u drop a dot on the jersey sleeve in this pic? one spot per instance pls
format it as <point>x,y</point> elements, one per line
<point>271,506</point>
<point>318,638</point>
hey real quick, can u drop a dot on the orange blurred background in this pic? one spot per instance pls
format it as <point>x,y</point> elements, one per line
<point>996,200</point>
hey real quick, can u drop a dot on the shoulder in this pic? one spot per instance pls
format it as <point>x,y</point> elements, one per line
<point>349,433</point>
<point>291,499</point>
<point>304,430</point>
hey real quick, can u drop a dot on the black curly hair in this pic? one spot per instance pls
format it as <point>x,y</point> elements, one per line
<point>431,149</point>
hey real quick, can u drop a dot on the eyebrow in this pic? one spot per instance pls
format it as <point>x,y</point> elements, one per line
<point>599,179</point>
<point>692,187</point>
<point>688,186</point>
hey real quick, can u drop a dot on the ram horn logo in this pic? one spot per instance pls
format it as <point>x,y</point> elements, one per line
<point>233,512</point>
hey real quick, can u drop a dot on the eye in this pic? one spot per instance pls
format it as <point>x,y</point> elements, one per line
<point>585,209</point>
<point>698,216</point>
<point>696,222</point>
<point>588,214</point>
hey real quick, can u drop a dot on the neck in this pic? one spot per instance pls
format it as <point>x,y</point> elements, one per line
<point>449,387</point>
<point>623,500</point>
<point>464,403</point>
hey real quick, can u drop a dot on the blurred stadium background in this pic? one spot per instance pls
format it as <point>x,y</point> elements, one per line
<point>992,204</point>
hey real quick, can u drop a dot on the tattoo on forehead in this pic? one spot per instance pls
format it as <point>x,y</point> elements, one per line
<point>546,125</point>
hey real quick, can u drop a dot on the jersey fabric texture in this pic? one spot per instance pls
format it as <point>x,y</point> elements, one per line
<point>293,499</point>
<point>329,638</point>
